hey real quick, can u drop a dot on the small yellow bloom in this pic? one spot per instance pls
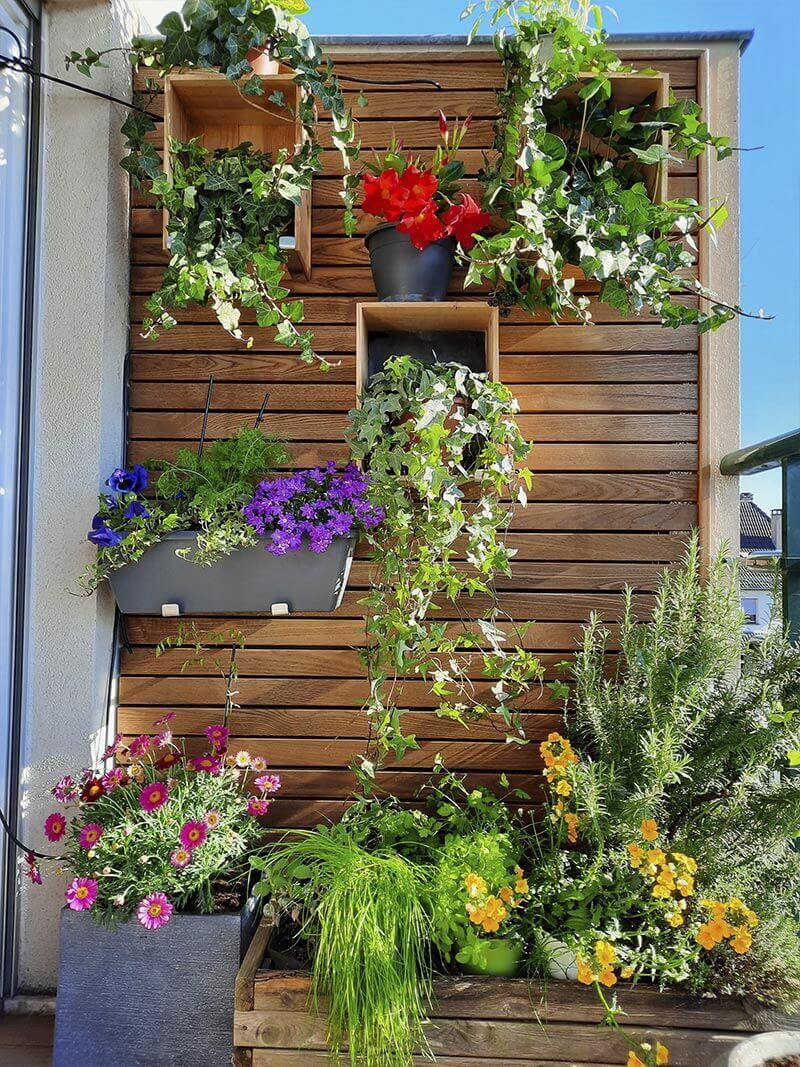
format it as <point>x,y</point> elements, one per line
<point>607,977</point>
<point>506,894</point>
<point>635,854</point>
<point>705,938</point>
<point>662,1055</point>
<point>627,972</point>
<point>661,892</point>
<point>605,953</point>
<point>656,856</point>
<point>475,885</point>
<point>572,826</point>
<point>649,829</point>
<point>742,941</point>
<point>564,789</point>
<point>675,919</point>
<point>719,929</point>
<point>634,1061</point>
<point>585,975</point>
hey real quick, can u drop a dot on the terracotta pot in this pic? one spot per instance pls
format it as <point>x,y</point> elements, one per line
<point>263,66</point>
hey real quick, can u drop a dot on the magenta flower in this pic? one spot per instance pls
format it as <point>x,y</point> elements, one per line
<point>162,739</point>
<point>65,790</point>
<point>90,834</point>
<point>218,736</point>
<point>164,719</point>
<point>32,868</point>
<point>153,796</point>
<point>193,834</point>
<point>140,745</point>
<point>258,806</point>
<point>154,911</point>
<point>81,893</point>
<point>55,826</point>
<point>111,779</point>
<point>112,748</point>
<point>268,783</point>
<point>207,763</point>
<point>180,858</point>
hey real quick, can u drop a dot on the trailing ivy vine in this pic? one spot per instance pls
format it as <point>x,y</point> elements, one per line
<point>218,200</point>
<point>567,185</point>
<point>442,447</point>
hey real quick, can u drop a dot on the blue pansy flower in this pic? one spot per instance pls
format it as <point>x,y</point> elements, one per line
<point>136,510</point>
<point>128,481</point>
<point>102,535</point>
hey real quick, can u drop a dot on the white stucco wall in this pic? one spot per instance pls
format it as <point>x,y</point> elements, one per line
<point>78,391</point>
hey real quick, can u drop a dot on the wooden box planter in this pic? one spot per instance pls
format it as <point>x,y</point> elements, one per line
<point>249,580</point>
<point>130,997</point>
<point>491,1022</point>
<point>458,332</point>
<point>631,89</point>
<point>206,105</point>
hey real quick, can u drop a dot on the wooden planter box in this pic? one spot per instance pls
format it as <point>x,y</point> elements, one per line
<point>455,331</point>
<point>490,1022</point>
<point>207,105</point>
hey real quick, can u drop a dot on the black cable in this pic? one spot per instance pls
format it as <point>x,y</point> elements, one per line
<point>401,81</point>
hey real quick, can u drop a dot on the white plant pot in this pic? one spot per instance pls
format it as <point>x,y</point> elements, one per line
<point>755,1051</point>
<point>562,963</point>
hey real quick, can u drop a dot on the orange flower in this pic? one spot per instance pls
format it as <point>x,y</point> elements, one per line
<point>635,854</point>
<point>585,975</point>
<point>572,827</point>
<point>607,978</point>
<point>742,940</point>
<point>649,829</point>
<point>705,938</point>
<point>605,953</point>
<point>634,1061</point>
<point>662,1055</point>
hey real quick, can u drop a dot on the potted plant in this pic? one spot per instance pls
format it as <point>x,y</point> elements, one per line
<point>779,1048</point>
<point>156,853</point>
<point>285,541</point>
<point>413,252</point>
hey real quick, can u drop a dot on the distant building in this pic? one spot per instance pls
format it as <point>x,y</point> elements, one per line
<point>760,543</point>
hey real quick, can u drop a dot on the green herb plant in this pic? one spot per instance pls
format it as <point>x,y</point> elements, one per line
<point>218,201</point>
<point>566,186</point>
<point>442,446</point>
<point>203,493</point>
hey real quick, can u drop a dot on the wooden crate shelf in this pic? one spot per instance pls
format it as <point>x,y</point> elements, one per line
<point>490,1022</point>
<point>383,329</point>
<point>207,105</point>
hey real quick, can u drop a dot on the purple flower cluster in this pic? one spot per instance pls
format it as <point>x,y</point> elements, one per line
<point>317,505</point>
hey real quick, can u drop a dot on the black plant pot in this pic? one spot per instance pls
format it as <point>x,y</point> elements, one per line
<point>131,997</point>
<point>402,273</point>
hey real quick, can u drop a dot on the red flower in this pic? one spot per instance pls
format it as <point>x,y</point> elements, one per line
<point>169,759</point>
<point>420,186</point>
<point>423,228</point>
<point>442,123</point>
<point>464,220</point>
<point>93,790</point>
<point>384,196</point>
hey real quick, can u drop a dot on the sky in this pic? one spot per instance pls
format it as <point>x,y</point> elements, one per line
<point>770,190</point>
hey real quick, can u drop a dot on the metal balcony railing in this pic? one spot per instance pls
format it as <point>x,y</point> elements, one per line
<point>783,452</point>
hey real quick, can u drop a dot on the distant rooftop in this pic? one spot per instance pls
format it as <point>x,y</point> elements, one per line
<point>755,526</point>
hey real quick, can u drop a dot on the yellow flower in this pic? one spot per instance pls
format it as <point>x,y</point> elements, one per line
<point>656,856</point>
<point>564,789</point>
<point>572,827</point>
<point>666,878</point>
<point>635,854</point>
<point>705,938</point>
<point>661,892</point>
<point>649,829</point>
<point>585,975</point>
<point>506,894</point>
<point>607,977</point>
<point>627,972</point>
<point>521,887</point>
<point>685,884</point>
<point>719,929</point>
<point>476,914</point>
<point>634,1061</point>
<point>475,885</point>
<point>675,919</point>
<point>605,953</point>
<point>742,940</point>
<point>662,1055</point>
<point>685,861</point>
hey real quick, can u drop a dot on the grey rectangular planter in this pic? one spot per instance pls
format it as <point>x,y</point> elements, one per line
<point>132,997</point>
<point>250,580</point>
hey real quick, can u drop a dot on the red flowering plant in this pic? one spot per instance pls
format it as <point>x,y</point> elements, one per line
<point>159,831</point>
<point>424,201</point>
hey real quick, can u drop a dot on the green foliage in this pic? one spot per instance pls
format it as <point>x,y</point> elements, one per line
<point>365,912</point>
<point>564,200</point>
<point>206,495</point>
<point>227,212</point>
<point>676,734</point>
<point>229,208</point>
<point>441,445</point>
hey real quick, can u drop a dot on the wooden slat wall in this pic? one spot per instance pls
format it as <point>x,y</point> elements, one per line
<point>611,409</point>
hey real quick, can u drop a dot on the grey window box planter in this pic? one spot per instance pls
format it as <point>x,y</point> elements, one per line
<point>250,580</point>
<point>132,997</point>
<point>756,1051</point>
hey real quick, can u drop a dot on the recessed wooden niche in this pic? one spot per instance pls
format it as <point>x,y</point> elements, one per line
<point>207,105</point>
<point>445,332</point>
<point>631,89</point>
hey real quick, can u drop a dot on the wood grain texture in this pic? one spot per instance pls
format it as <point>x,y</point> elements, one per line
<point>611,410</point>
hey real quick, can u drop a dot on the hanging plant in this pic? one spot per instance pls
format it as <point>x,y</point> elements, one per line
<point>218,200</point>
<point>442,447</point>
<point>567,186</point>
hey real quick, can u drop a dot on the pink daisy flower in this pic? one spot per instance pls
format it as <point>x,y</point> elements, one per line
<point>162,739</point>
<point>213,819</point>
<point>258,763</point>
<point>81,893</point>
<point>32,868</point>
<point>258,806</point>
<point>55,826</point>
<point>154,911</point>
<point>65,790</point>
<point>207,763</point>
<point>218,736</point>
<point>140,745</point>
<point>112,748</point>
<point>180,857</point>
<point>193,834</point>
<point>170,715</point>
<point>111,779</point>
<point>153,796</point>
<point>268,783</point>
<point>90,834</point>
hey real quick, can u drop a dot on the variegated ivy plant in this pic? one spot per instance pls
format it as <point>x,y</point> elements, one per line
<point>563,203</point>
<point>443,450</point>
<point>215,262</point>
